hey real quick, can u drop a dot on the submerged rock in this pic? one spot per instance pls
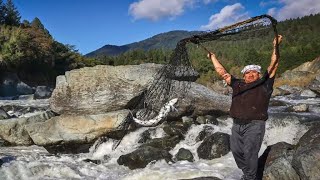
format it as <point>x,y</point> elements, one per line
<point>141,157</point>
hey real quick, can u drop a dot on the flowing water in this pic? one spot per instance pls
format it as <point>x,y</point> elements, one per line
<point>34,162</point>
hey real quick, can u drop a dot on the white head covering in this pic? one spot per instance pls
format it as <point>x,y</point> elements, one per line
<point>251,67</point>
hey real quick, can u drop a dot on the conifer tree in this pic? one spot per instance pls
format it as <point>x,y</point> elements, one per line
<point>2,12</point>
<point>12,16</point>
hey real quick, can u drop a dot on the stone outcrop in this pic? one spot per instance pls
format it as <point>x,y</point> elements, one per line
<point>278,162</point>
<point>66,129</point>
<point>102,89</point>
<point>306,158</point>
<point>14,130</point>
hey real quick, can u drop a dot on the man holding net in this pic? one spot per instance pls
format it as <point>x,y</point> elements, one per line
<point>249,109</point>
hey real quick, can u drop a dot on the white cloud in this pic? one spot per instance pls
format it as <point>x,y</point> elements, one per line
<point>296,8</point>
<point>157,9</point>
<point>209,1</point>
<point>227,16</point>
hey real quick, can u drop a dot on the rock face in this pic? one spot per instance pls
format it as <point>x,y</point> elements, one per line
<point>99,89</point>
<point>74,129</point>
<point>306,159</point>
<point>103,89</point>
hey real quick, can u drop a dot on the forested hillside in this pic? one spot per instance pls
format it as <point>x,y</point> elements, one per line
<point>301,43</point>
<point>28,49</point>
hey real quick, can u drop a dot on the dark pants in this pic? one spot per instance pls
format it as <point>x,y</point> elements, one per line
<point>246,140</point>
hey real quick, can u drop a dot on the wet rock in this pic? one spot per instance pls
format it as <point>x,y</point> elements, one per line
<point>166,143</point>
<point>276,103</point>
<point>145,137</point>
<point>68,148</point>
<point>141,157</point>
<point>176,129</point>
<point>187,120</point>
<point>203,178</point>
<point>14,130</point>
<point>214,146</point>
<point>286,89</point>
<point>42,92</point>
<point>308,93</point>
<point>298,108</point>
<point>306,158</point>
<point>207,130</point>
<point>184,155</point>
<point>315,85</point>
<point>277,164</point>
<point>3,114</point>
<point>201,120</point>
<point>210,119</point>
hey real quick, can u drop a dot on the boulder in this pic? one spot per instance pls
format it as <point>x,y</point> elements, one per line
<point>42,92</point>
<point>306,158</point>
<point>315,84</point>
<point>214,146</point>
<point>141,157</point>
<point>14,130</point>
<point>68,129</point>
<point>3,114</point>
<point>308,93</point>
<point>10,85</point>
<point>102,89</point>
<point>184,155</point>
<point>278,162</point>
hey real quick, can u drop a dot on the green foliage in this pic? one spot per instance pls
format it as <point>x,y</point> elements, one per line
<point>2,12</point>
<point>12,16</point>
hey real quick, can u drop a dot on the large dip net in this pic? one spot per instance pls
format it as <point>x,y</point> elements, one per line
<point>173,79</point>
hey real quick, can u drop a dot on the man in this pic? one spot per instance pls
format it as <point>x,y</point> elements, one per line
<point>249,110</point>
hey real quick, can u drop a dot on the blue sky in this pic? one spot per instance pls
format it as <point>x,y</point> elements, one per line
<point>91,24</point>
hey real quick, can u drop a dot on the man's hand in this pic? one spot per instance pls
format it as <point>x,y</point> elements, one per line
<point>210,54</point>
<point>275,40</point>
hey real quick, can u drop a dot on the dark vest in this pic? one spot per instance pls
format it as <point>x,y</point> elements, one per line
<point>250,100</point>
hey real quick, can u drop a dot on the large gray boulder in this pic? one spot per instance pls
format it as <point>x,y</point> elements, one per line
<point>278,163</point>
<point>14,130</point>
<point>80,129</point>
<point>102,89</point>
<point>306,158</point>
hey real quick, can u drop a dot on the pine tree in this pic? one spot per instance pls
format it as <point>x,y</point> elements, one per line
<point>36,23</point>
<point>2,12</point>
<point>12,16</point>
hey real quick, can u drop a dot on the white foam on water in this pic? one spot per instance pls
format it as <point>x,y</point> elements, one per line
<point>35,162</point>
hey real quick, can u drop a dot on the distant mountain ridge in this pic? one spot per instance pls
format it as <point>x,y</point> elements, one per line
<point>167,40</point>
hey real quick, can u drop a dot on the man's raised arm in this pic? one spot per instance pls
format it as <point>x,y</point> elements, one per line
<point>275,57</point>
<point>219,68</point>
